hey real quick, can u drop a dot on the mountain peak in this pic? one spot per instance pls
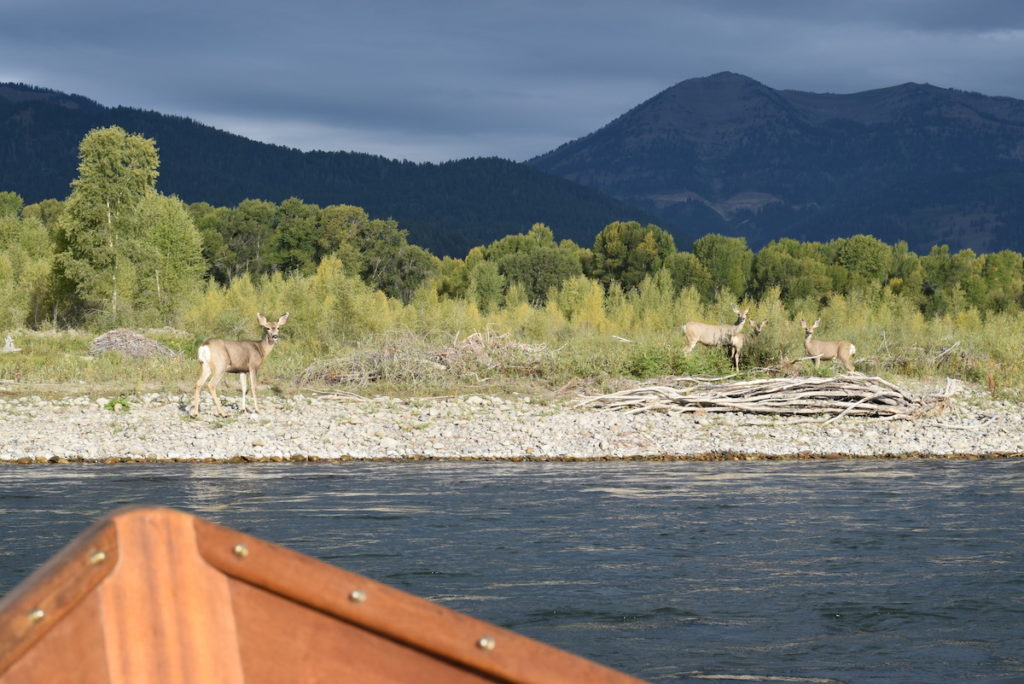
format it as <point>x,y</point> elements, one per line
<point>730,154</point>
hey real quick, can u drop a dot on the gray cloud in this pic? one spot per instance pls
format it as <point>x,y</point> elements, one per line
<point>455,78</point>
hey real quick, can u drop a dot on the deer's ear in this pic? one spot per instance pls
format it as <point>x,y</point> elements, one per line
<point>283,319</point>
<point>261,319</point>
<point>816,323</point>
<point>746,311</point>
<point>735,309</point>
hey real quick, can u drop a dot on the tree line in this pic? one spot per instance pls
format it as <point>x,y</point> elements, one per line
<point>116,252</point>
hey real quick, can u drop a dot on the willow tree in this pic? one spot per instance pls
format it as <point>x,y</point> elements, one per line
<point>95,232</point>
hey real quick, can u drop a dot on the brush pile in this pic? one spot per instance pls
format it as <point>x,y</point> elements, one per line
<point>831,398</point>
<point>128,343</point>
<point>409,359</point>
<point>490,353</point>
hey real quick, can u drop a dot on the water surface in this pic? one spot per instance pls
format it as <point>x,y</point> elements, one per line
<point>850,571</point>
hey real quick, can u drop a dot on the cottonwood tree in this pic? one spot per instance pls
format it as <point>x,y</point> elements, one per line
<point>728,260</point>
<point>124,252</point>
<point>115,172</point>
<point>169,264</point>
<point>535,261</point>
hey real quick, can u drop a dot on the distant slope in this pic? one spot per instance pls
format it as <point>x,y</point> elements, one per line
<point>728,154</point>
<point>447,208</point>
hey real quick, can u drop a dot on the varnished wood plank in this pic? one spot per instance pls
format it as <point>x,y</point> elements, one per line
<point>166,613</point>
<point>71,652</point>
<point>284,641</point>
<point>43,598</point>
<point>156,595</point>
<point>394,614</point>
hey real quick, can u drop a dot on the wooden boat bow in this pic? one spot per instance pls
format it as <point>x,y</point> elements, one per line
<point>158,595</point>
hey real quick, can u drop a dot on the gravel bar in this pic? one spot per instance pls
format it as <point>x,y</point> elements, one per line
<point>327,427</point>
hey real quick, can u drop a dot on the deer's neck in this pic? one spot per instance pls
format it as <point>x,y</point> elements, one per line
<point>266,345</point>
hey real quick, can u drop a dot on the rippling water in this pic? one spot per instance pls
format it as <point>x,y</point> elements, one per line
<point>850,571</point>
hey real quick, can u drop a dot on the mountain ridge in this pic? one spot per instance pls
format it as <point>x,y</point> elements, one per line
<point>448,207</point>
<point>726,153</point>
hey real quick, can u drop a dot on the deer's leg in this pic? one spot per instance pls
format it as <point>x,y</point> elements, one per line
<point>241,377</point>
<point>212,386</point>
<point>204,374</point>
<point>255,403</point>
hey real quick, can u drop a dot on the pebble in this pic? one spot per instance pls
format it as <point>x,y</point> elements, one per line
<point>157,427</point>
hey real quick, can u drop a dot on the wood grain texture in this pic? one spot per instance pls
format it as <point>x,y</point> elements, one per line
<point>422,626</point>
<point>71,652</point>
<point>166,614</point>
<point>175,599</point>
<point>55,588</point>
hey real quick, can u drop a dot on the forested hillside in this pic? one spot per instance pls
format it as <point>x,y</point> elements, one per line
<point>120,253</point>
<point>728,154</point>
<point>447,208</point>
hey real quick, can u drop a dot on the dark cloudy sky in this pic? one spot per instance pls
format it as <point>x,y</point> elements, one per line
<point>432,80</point>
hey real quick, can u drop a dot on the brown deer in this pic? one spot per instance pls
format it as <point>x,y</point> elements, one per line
<point>713,335</point>
<point>739,339</point>
<point>826,350</point>
<point>235,356</point>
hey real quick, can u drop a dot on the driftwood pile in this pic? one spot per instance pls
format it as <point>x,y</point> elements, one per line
<point>128,343</point>
<point>406,359</point>
<point>831,398</point>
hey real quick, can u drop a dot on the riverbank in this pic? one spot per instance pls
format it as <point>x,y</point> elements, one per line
<point>324,426</point>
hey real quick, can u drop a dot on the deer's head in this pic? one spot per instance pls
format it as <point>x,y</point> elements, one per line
<point>272,330</point>
<point>809,329</point>
<point>742,315</point>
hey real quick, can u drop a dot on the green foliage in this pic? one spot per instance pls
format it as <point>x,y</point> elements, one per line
<point>626,252</point>
<point>117,252</point>
<point>728,260</point>
<point>168,260</point>
<point>96,233</point>
<point>486,284</point>
<point>118,404</point>
<point>534,261</point>
<point>10,204</point>
<point>688,271</point>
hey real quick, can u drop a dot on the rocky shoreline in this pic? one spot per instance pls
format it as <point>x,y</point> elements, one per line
<point>329,427</point>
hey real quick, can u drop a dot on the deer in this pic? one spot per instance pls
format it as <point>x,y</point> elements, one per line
<point>713,335</point>
<point>827,350</point>
<point>244,357</point>
<point>739,339</point>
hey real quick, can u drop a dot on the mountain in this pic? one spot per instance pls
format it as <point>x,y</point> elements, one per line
<point>447,208</point>
<point>728,154</point>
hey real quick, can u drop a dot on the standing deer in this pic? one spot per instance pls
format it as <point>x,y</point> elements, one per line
<point>826,350</point>
<point>235,356</point>
<point>739,339</point>
<point>713,335</point>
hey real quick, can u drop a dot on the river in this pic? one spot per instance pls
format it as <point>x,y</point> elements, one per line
<point>821,571</point>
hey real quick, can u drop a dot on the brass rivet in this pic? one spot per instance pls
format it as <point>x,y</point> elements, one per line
<point>357,596</point>
<point>97,557</point>
<point>486,644</point>
<point>37,615</point>
<point>241,550</point>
